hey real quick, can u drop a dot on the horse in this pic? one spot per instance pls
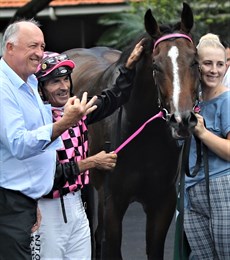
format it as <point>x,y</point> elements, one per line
<point>166,80</point>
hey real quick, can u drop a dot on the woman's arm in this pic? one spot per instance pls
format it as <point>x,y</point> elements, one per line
<point>220,146</point>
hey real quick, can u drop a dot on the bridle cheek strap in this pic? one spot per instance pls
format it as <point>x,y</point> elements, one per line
<point>172,35</point>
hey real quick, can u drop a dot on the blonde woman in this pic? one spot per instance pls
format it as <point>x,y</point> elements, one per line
<point>208,227</point>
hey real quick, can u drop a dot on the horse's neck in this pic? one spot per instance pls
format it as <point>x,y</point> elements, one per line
<point>143,99</point>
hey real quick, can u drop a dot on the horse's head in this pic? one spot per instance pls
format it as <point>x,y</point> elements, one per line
<point>175,71</point>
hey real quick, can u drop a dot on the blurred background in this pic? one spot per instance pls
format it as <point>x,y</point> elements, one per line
<point>71,24</point>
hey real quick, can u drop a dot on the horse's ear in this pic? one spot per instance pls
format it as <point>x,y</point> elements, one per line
<point>187,19</point>
<point>151,25</point>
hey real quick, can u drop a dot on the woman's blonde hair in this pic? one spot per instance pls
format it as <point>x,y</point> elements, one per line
<point>209,40</point>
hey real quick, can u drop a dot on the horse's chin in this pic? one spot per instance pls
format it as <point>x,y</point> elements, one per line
<point>182,126</point>
<point>181,134</point>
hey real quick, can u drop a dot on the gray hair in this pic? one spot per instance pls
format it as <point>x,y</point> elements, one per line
<point>11,32</point>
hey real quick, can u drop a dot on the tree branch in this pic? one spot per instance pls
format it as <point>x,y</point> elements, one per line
<point>30,10</point>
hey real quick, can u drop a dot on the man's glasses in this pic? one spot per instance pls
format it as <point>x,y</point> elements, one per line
<point>52,61</point>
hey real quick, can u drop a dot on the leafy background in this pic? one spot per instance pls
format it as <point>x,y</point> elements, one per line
<point>209,16</point>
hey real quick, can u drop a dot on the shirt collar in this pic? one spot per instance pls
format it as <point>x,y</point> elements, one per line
<point>14,78</point>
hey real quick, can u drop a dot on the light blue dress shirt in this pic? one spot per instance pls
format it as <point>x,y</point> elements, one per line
<point>27,160</point>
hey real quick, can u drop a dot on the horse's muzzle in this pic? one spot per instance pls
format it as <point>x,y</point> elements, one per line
<point>183,124</point>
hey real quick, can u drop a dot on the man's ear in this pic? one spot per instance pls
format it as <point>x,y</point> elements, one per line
<point>9,46</point>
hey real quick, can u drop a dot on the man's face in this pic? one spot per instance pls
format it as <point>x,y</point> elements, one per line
<point>57,91</point>
<point>27,51</point>
<point>228,56</point>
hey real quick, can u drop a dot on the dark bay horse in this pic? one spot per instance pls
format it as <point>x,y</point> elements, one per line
<point>146,171</point>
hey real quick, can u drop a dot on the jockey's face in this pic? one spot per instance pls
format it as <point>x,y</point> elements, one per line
<point>57,91</point>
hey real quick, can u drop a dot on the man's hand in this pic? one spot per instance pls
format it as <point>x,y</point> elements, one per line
<point>75,109</point>
<point>38,222</point>
<point>135,55</point>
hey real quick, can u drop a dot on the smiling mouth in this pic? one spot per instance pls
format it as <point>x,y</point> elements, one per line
<point>63,94</point>
<point>212,77</point>
<point>35,61</point>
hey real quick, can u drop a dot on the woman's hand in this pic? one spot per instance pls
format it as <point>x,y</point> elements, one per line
<point>200,127</point>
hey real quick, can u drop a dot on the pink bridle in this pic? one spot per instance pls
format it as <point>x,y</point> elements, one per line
<point>172,35</point>
<point>161,113</point>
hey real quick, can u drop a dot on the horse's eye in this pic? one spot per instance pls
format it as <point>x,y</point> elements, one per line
<point>194,63</point>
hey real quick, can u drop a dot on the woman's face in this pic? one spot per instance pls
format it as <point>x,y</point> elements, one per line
<point>212,65</point>
<point>57,91</point>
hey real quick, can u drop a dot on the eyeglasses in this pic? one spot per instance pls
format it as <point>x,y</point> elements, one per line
<point>52,61</point>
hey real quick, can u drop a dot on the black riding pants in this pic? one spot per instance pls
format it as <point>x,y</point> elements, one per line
<point>17,216</point>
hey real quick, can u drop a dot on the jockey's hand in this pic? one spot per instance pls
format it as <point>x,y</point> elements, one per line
<point>105,161</point>
<point>100,161</point>
<point>135,55</point>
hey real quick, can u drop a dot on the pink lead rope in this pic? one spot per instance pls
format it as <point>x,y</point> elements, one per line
<point>159,115</point>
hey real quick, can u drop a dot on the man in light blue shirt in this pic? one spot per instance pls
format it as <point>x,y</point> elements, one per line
<point>26,129</point>
<point>28,138</point>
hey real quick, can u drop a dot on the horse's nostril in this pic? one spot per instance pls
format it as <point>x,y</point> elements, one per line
<point>172,121</point>
<point>186,120</point>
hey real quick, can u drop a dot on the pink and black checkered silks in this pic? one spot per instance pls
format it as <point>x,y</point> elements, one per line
<point>75,148</point>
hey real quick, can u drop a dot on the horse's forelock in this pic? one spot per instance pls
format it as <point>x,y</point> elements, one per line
<point>166,28</point>
<point>170,28</point>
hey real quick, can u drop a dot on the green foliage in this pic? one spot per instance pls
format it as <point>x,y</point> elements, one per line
<point>211,16</point>
<point>123,27</point>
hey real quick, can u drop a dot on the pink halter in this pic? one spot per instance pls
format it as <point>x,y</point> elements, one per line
<point>173,35</point>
